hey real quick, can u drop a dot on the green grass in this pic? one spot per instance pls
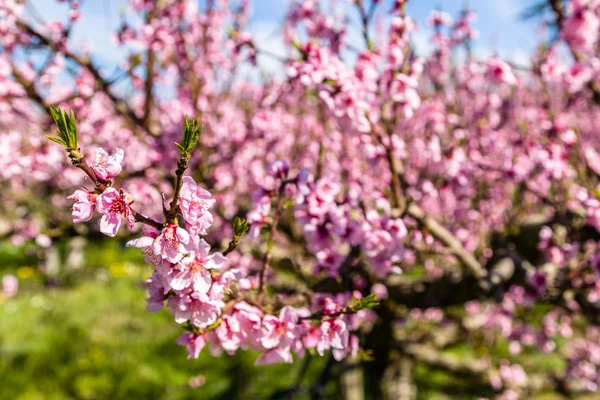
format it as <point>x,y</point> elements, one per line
<point>97,341</point>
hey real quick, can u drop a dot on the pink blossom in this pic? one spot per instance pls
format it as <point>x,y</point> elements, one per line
<point>351,349</point>
<point>513,375</point>
<point>114,205</point>
<point>275,356</point>
<point>145,243</point>
<point>197,308</point>
<point>500,72</point>
<point>10,285</point>
<point>279,332</point>
<point>334,335</point>
<point>593,159</point>
<point>193,343</point>
<point>157,289</point>
<point>83,209</point>
<point>439,18</point>
<point>539,282</point>
<point>249,319</point>
<point>172,243</point>
<point>278,169</point>
<point>220,284</point>
<point>310,339</point>
<point>380,291</point>
<point>580,29</point>
<point>229,333</point>
<point>194,269</point>
<point>107,167</point>
<point>195,204</point>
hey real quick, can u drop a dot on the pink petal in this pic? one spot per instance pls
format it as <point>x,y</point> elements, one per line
<point>288,315</point>
<point>110,224</point>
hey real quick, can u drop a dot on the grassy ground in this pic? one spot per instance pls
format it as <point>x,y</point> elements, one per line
<point>91,338</point>
<point>96,341</point>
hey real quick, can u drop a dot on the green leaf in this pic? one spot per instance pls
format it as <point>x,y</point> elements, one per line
<point>190,136</point>
<point>67,128</point>
<point>240,226</point>
<point>366,303</point>
<point>365,355</point>
<point>57,140</point>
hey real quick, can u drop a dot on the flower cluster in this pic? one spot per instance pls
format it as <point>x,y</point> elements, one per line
<point>460,191</point>
<point>197,284</point>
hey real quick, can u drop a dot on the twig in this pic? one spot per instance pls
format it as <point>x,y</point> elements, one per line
<point>320,315</point>
<point>120,105</point>
<point>364,18</point>
<point>182,165</point>
<point>30,89</point>
<point>273,228</point>
<point>80,163</point>
<point>149,83</point>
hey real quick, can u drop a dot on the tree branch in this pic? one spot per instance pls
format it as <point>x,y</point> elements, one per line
<point>120,105</point>
<point>445,236</point>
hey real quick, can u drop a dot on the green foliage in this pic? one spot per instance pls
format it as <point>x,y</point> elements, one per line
<point>67,129</point>
<point>366,303</point>
<point>189,138</point>
<point>240,228</point>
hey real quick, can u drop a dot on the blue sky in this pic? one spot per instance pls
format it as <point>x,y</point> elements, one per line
<point>498,22</point>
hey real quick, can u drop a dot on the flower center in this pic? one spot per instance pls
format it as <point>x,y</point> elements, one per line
<point>120,206</point>
<point>280,329</point>
<point>196,266</point>
<point>199,204</point>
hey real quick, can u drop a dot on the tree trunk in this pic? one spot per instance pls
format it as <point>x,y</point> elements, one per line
<point>398,382</point>
<point>352,382</point>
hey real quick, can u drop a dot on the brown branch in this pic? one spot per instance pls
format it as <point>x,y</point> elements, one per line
<point>149,83</point>
<point>457,288</point>
<point>559,14</point>
<point>364,19</point>
<point>80,163</point>
<point>470,367</point>
<point>30,90</point>
<point>320,315</point>
<point>120,105</point>
<point>273,228</point>
<point>399,201</point>
<point>145,220</point>
<point>182,165</point>
<point>445,236</point>
<point>229,248</point>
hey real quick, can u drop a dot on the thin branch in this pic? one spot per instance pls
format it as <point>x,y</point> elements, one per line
<point>182,165</point>
<point>120,105</point>
<point>30,90</point>
<point>364,19</point>
<point>273,228</point>
<point>149,83</point>
<point>101,187</point>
